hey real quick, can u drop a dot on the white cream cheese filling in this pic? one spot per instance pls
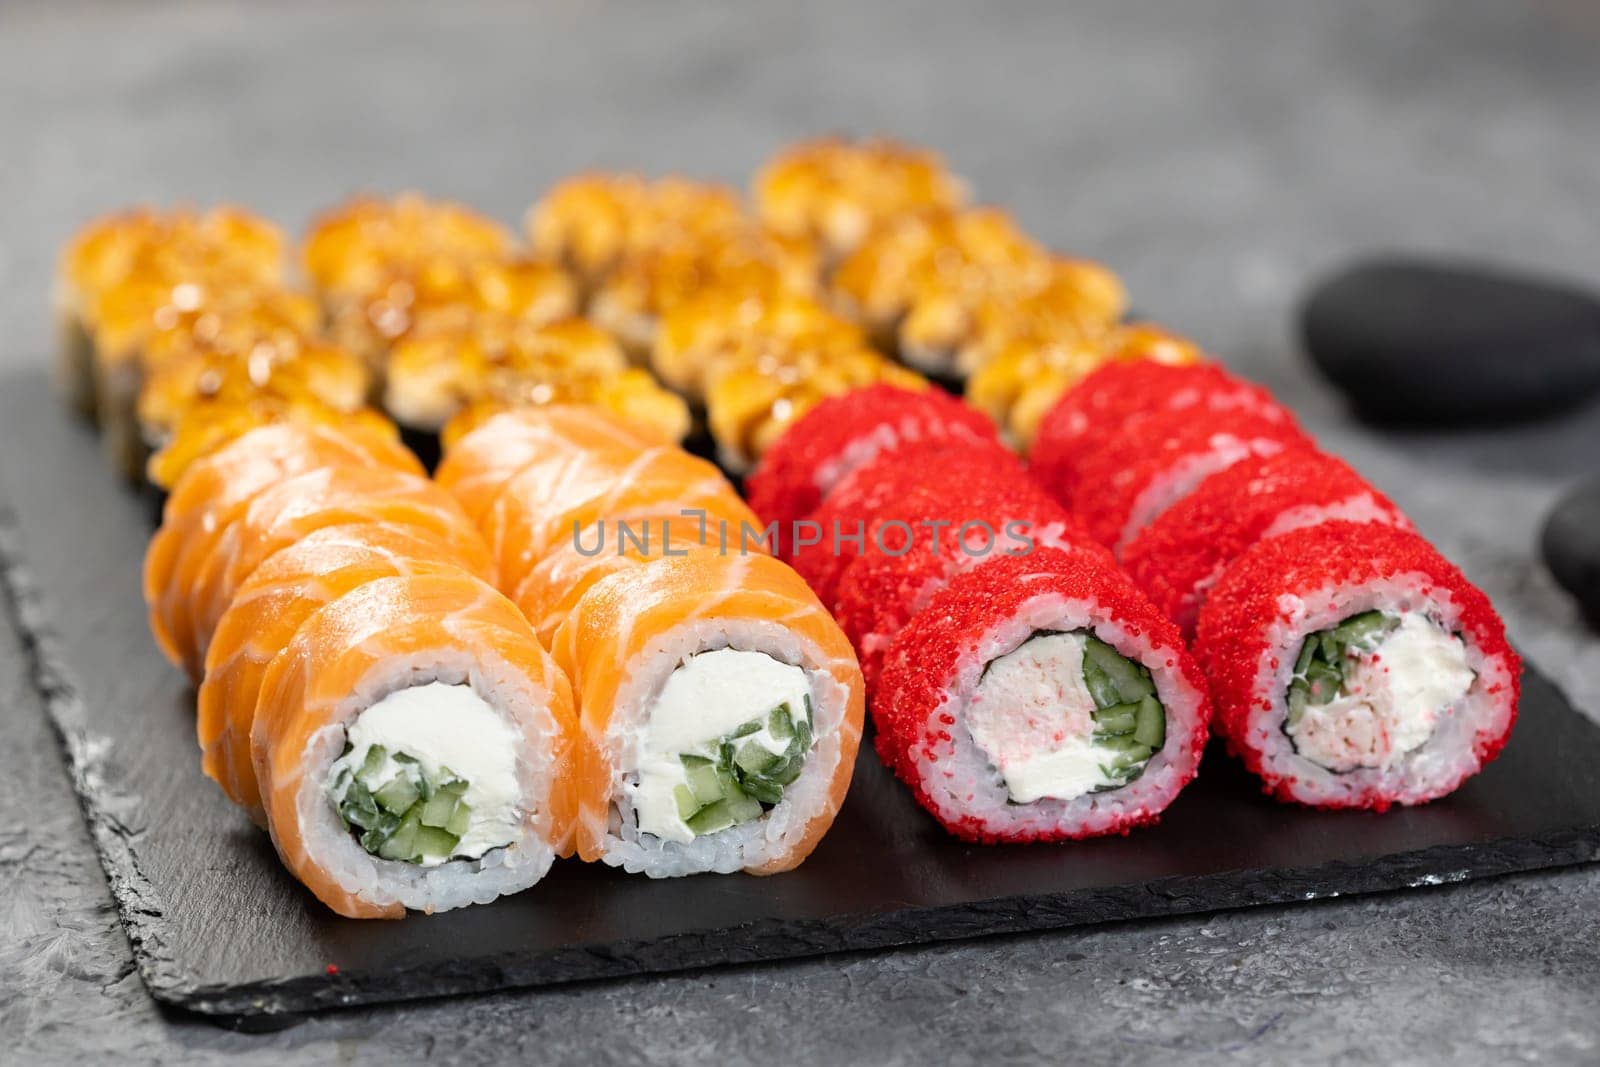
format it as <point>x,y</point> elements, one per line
<point>1033,716</point>
<point>707,698</point>
<point>448,729</point>
<point>1393,698</point>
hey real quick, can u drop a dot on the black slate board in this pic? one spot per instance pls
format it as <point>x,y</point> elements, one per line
<point>219,928</point>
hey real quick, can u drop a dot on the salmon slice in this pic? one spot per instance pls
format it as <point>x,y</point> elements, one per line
<point>283,514</point>
<point>550,591</point>
<point>623,615</point>
<point>483,461</point>
<point>386,630</point>
<point>558,499</point>
<point>266,611</point>
<point>215,490</point>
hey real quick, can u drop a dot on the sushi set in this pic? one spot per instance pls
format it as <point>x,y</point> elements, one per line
<point>570,703</point>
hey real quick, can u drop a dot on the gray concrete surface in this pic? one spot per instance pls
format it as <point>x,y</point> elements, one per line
<point>1219,154</point>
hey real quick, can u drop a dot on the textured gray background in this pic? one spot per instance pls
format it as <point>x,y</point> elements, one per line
<point>1218,154</point>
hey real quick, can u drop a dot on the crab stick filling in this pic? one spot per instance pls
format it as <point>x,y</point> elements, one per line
<point>1373,689</point>
<point>429,774</point>
<point>728,733</point>
<point>1064,715</point>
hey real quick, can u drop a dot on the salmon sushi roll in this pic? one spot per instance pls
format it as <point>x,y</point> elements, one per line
<point>329,496</point>
<point>721,710</point>
<point>1353,666</point>
<point>215,490</point>
<point>1041,698</point>
<point>264,616</point>
<point>412,747</point>
<point>845,432</point>
<point>1151,464</point>
<point>1119,393</point>
<point>1180,556</point>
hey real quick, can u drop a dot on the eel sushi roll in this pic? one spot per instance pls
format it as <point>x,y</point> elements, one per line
<point>846,432</point>
<point>1137,473</point>
<point>412,746</point>
<point>835,191</point>
<point>721,710</point>
<point>1120,393</point>
<point>1041,698</point>
<point>1179,557</point>
<point>1353,666</point>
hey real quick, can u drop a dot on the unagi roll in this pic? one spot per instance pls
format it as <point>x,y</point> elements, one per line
<point>1355,667</point>
<point>1041,698</point>
<point>721,712</point>
<point>411,745</point>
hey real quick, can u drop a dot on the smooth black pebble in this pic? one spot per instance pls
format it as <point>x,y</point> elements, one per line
<point>1413,341</point>
<point>1572,545</point>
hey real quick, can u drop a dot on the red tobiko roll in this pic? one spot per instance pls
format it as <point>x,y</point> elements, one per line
<point>941,471</point>
<point>1353,666</point>
<point>1117,393</point>
<point>845,432</point>
<point>880,590</point>
<point>1041,698</point>
<point>1154,462</point>
<point>1182,553</point>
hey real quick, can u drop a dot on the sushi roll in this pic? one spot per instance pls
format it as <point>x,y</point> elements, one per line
<point>287,511</point>
<point>894,490</point>
<point>721,710</point>
<point>1139,472</point>
<point>263,617</point>
<point>215,491</point>
<point>914,281</point>
<point>835,191</point>
<point>651,282</point>
<point>842,433</point>
<point>1024,378</point>
<point>1041,698</point>
<point>752,401</point>
<point>352,251</point>
<point>431,375</point>
<point>1068,300</point>
<point>721,326</point>
<point>1122,392</point>
<point>1180,556</point>
<point>591,222</point>
<point>943,333</point>
<point>1355,667</point>
<point>290,369</point>
<point>445,292</point>
<point>412,745</point>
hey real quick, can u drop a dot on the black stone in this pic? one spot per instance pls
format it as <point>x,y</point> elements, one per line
<point>219,928</point>
<point>1423,343</point>
<point>1571,543</point>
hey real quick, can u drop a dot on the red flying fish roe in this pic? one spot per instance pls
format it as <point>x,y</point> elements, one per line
<point>1180,555</point>
<point>1117,393</point>
<point>1249,601</point>
<point>945,469</point>
<point>924,661</point>
<point>1154,462</point>
<point>844,432</point>
<point>878,593</point>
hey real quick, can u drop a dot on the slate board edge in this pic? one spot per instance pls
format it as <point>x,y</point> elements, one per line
<point>138,902</point>
<point>141,906</point>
